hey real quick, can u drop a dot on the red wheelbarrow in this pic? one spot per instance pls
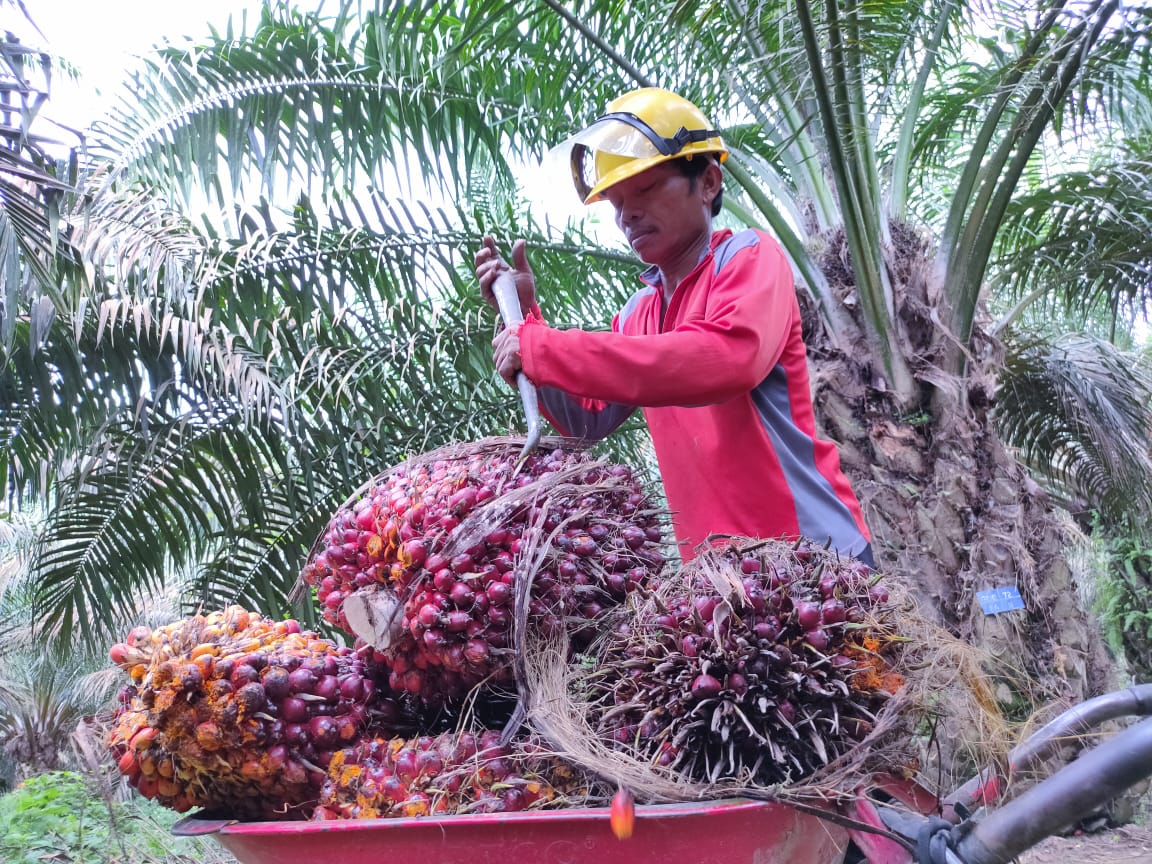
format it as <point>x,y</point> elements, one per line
<point>890,824</point>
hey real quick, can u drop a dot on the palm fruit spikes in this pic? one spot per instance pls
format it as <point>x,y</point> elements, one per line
<point>765,662</point>
<point>439,546</point>
<point>238,712</point>
<point>449,774</point>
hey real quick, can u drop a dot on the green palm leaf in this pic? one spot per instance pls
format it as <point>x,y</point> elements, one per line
<point>1080,413</point>
<point>304,105</point>
<point>1082,241</point>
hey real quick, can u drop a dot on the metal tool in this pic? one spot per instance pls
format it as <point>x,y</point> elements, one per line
<point>507,298</point>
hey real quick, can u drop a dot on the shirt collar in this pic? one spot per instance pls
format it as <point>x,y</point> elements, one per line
<point>651,276</point>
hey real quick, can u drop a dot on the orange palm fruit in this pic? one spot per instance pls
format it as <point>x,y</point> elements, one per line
<point>623,814</point>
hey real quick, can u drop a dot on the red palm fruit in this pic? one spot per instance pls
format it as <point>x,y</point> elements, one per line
<point>227,734</point>
<point>807,614</point>
<point>705,687</point>
<point>623,814</point>
<point>817,638</point>
<point>447,774</point>
<point>732,676</point>
<point>128,764</point>
<point>121,654</point>
<point>833,611</point>
<point>465,548</point>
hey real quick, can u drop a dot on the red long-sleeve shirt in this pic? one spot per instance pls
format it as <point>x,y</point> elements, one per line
<point>723,381</point>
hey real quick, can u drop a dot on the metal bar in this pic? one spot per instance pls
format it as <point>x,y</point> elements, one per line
<point>1098,776</point>
<point>1133,702</point>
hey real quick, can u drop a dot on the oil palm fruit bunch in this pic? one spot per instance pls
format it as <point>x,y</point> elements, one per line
<point>449,774</point>
<point>439,543</point>
<point>766,661</point>
<point>242,713</point>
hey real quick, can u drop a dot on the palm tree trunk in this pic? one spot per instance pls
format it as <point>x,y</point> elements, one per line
<point>951,511</point>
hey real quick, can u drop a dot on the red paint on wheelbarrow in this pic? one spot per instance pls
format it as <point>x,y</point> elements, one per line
<point>717,832</point>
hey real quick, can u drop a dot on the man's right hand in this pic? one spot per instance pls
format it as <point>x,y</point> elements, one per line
<point>489,264</point>
<point>506,353</point>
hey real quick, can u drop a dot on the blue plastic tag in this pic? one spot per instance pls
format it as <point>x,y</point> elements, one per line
<point>1000,600</point>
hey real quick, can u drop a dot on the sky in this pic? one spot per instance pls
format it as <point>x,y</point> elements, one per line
<point>103,38</point>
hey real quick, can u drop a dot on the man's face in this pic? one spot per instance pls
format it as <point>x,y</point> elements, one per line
<point>661,212</point>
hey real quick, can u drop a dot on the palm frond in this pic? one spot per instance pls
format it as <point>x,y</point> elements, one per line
<point>297,104</point>
<point>1039,81</point>
<point>137,243</point>
<point>1082,241</point>
<point>43,695</point>
<point>124,356</point>
<point>147,502</point>
<point>1080,413</point>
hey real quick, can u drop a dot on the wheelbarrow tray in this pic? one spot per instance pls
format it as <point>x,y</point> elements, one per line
<point>715,832</point>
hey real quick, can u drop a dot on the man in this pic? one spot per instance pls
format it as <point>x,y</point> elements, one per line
<point>710,347</point>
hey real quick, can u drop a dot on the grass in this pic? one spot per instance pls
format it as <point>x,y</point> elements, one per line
<point>58,817</point>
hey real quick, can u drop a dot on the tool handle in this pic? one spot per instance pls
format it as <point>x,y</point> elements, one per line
<point>508,301</point>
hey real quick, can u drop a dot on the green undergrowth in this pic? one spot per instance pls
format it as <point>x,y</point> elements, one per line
<point>58,818</point>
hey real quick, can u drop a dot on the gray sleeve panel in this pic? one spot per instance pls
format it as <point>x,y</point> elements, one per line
<point>575,421</point>
<point>821,515</point>
<point>728,249</point>
<point>631,305</point>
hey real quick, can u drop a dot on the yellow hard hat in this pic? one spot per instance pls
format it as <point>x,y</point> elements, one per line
<point>639,129</point>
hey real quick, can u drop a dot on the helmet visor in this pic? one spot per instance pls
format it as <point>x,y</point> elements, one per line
<point>619,137</point>
<point>609,136</point>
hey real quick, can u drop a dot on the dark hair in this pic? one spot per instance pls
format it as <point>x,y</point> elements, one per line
<point>693,167</point>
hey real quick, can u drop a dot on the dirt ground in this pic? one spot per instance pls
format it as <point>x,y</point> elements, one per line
<point>1130,844</point>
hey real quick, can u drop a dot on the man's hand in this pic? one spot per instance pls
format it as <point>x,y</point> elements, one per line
<point>489,264</point>
<point>506,353</point>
